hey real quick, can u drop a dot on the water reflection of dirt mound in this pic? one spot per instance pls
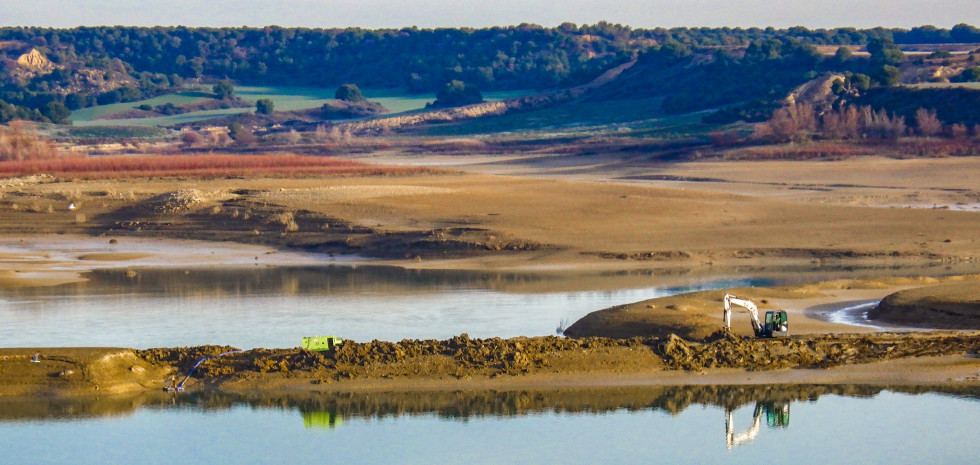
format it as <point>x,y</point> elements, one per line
<point>452,404</point>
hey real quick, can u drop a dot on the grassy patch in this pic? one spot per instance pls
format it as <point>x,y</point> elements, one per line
<point>112,132</point>
<point>199,166</point>
<point>284,98</point>
<point>569,116</point>
<point>91,115</point>
<point>400,100</point>
<point>640,118</point>
<point>945,85</point>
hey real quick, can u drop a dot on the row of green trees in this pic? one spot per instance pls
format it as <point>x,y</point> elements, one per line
<point>525,56</point>
<point>763,73</point>
<point>156,60</point>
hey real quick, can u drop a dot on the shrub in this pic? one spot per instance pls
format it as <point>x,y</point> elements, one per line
<point>349,93</point>
<point>968,75</point>
<point>192,139</point>
<point>796,122</point>
<point>457,93</point>
<point>264,106</point>
<point>19,143</point>
<point>926,122</point>
<point>203,166</point>
<point>223,90</point>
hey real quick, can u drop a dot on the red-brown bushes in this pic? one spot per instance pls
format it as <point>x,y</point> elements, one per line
<point>19,143</point>
<point>203,166</point>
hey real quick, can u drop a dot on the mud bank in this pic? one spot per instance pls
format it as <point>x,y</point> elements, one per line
<point>947,306</point>
<point>920,302</point>
<point>477,221</point>
<point>461,362</point>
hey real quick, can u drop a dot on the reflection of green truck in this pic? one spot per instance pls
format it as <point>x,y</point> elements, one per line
<point>323,420</point>
<point>321,343</point>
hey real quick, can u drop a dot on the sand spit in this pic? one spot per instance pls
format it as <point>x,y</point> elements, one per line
<point>697,315</point>
<point>949,306</point>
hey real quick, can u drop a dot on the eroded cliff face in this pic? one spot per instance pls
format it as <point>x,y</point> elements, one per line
<point>36,61</point>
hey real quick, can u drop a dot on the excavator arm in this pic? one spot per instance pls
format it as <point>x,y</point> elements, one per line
<point>733,439</point>
<point>748,305</point>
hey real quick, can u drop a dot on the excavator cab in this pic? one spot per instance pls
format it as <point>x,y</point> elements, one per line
<point>776,324</point>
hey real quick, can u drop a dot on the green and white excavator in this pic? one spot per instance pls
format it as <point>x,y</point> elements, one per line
<point>776,323</point>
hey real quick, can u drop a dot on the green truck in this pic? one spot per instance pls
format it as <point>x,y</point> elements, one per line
<point>321,343</point>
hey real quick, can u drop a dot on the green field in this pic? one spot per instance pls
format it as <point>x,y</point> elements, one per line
<point>945,85</point>
<point>400,101</point>
<point>623,118</point>
<point>571,117</point>
<point>285,98</point>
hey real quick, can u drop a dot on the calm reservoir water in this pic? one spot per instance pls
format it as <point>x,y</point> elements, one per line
<point>798,425</point>
<point>276,306</point>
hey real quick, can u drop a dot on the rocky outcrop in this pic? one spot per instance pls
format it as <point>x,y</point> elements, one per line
<point>816,92</point>
<point>36,61</point>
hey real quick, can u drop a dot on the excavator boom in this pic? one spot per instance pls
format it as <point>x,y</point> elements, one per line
<point>748,305</point>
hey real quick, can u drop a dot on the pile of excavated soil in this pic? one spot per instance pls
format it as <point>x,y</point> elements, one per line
<point>462,357</point>
<point>946,306</point>
<point>457,358</point>
<point>726,350</point>
<point>435,363</point>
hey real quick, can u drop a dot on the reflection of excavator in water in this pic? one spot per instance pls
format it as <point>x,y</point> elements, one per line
<point>777,416</point>
<point>776,323</point>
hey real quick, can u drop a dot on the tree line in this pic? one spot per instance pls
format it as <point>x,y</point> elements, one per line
<point>155,60</point>
<point>516,57</point>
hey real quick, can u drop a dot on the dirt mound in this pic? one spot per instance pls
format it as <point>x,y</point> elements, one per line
<point>461,357</point>
<point>947,306</point>
<point>730,351</point>
<point>74,370</point>
<point>77,370</point>
<point>183,200</point>
<point>455,358</point>
<point>694,315</point>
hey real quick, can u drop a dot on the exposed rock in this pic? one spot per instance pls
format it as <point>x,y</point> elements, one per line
<point>816,92</point>
<point>36,61</point>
